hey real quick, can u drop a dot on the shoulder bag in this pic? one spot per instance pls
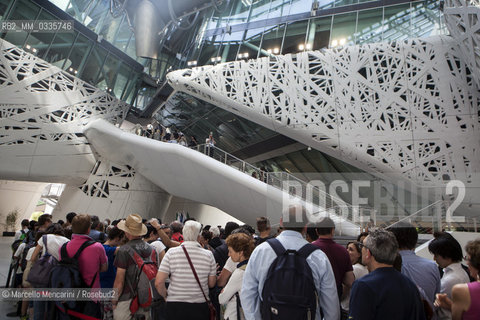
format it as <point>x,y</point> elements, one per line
<point>213,311</point>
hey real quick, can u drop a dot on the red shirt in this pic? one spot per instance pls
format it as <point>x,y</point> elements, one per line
<point>177,236</point>
<point>338,257</point>
<point>90,260</point>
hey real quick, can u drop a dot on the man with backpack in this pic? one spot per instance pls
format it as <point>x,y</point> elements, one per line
<point>137,266</point>
<point>18,247</point>
<point>286,277</point>
<point>80,255</point>
<point>21,234</point>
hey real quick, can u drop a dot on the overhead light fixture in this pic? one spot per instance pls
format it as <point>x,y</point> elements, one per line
<point>308,46</point>
<point>28,46</point>
<point>34,50</point>
<point>276,50</point>
<point>334,43</point>
<point>269,51</point>
<point>301,47</point>
<point>342,41</point>
<point>243,55</point>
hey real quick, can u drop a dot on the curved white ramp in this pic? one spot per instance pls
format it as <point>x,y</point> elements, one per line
<point>189,174</point>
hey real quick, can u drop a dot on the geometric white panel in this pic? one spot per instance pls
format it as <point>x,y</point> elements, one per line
<point>404,110</point>
<point>43,110</point>
<point>463,22</point>
<point>107,177</point>
<point>114,191</point>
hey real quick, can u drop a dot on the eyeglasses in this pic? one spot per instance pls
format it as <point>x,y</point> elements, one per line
<point>466,258</point>
<point>361,245</point>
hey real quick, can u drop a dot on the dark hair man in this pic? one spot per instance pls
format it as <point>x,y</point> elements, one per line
<point>22,233</point>
<point>423,272</point>
<point>384,293</point>
<point>263,227</point>
<point>176,227</point>
<point>221,252</point>
<point>337,254</point>
<point>93,259</point>
<point>44,221</point>
<point>264,255</point>
<point>447,252</point>
<point>67,227</point>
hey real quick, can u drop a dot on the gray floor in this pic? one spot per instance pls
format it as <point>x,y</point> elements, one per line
<point>5,256</point>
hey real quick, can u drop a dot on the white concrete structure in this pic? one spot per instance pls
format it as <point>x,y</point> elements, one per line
<point>189,174</point>
<point>406,111</point>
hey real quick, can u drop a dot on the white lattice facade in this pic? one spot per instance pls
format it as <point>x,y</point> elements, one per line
<point>405,110</point>
<point>43,110</point>
<point>114,191</point>
<point>463,21</point>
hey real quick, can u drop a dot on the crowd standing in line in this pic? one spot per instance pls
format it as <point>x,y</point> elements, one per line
<point>184,270</point>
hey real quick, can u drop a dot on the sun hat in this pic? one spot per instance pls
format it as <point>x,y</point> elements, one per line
<point>133,225</point>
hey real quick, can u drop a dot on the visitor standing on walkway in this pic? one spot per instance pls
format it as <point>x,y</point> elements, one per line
<point>210,144</point>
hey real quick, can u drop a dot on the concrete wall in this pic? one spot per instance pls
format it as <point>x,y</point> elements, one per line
<point>19,195</point>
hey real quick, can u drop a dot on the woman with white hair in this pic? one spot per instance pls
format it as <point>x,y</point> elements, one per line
<point>192,271</point>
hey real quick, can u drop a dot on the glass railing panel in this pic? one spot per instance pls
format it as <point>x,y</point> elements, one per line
<point>289,183</point>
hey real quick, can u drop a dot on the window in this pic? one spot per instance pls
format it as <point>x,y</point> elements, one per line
<point>343,29</point>
<point>295,36</point>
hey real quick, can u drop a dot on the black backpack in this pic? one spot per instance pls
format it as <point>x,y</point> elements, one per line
<point>17,242</point>
<point>29,243</point>
<point>289,291</point>
<point>66,274</point>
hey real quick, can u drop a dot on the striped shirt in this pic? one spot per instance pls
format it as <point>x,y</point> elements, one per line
<point>183,286</point>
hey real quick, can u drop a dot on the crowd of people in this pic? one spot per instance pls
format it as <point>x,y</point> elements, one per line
<point>191,271</point>
<point>157,132</point>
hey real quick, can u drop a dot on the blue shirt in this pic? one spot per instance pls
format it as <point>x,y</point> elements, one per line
<point>385,294</point>
<point>423,272</point>
<point>257,269</point>
<point>97,235</point>
<point>107,278</point>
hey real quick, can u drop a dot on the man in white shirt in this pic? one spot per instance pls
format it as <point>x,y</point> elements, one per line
<point>263,256</point>
<point>447,252</point>
<point>210,143</point>
<point>23,231</point>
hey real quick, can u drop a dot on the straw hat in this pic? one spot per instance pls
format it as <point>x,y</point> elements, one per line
<point>133,225</point>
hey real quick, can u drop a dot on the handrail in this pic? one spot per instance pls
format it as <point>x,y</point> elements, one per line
<point>276,179</point>
<point>415,213</point>
<point>270,178</point>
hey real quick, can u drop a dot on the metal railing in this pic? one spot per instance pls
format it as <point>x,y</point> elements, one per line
<point>287,182</point>
<point>427,219</point>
